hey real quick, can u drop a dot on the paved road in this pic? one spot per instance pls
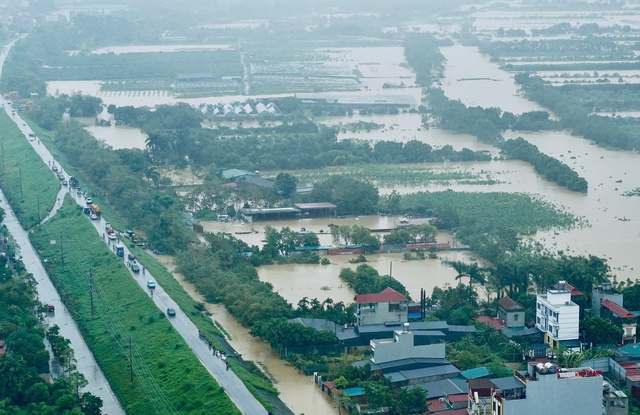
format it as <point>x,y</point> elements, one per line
<point>86,364</point>
<point>234,387</point>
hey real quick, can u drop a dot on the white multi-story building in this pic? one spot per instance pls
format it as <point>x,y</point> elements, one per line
<point>548,389</point>
<point>558,317</point>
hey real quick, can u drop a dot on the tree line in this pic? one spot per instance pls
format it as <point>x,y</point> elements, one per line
<point>551,168</point>
<point>575,112</point>
<point>23,390</point>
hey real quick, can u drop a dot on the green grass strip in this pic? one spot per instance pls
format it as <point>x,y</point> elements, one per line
<point>25,179</point>
<point>168,378</point>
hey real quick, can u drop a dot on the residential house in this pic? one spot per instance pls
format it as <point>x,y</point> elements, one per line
<point>558,318</point>
<point>608,303</point>
<point>383,307</point>
<point>510,312</point>
<point>407,345</point>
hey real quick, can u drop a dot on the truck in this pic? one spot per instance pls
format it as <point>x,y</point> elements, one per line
<point>73,182</point>
<point>95,209</point>
<point>120,250</point>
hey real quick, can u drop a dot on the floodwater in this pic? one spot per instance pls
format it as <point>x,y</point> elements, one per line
<point>295,281</point>
<point>476,81</point>
<point>297,391</point>
<point>614,219</point>
<point>118,50</point>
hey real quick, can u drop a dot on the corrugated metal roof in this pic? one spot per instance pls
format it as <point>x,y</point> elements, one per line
<point>617,310</point>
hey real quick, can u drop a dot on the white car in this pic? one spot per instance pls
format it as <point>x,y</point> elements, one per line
<point>112,236</point>
<point>93,216</point>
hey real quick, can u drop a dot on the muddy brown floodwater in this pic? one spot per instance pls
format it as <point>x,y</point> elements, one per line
<point>297,391</point>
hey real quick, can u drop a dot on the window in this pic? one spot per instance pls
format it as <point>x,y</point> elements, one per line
<point>515,317</point>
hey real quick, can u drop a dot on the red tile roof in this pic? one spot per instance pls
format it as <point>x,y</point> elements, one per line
<point>491,321</point>
<point>508,304</point>
<point>617,310</point>
<point>574,291</point>
<point>388,295</point>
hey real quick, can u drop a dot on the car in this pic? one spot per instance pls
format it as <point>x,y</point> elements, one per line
<point>24,124</point>
<point>111,230</point>
<point>171,312</point>
<point>93,216</point>
<point>88,200</point>
<point>107,226</point>
<point>151,284</point>
<point>113,236</point>
<point>135,267</point>
<point>65,183</point>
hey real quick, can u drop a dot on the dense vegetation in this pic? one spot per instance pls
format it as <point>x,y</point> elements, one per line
<point>23,390</point>
<point>366,280</point>
<point>161,373</point>
<point>575,112</point>
<point>485,123</point>
<point>552,169</point>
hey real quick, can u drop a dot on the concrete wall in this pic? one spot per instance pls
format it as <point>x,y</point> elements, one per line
<point>380,314</point>
<point>568,315</point>
<point>549,394</point>
<point>401,347</point>
<point>511,318</point>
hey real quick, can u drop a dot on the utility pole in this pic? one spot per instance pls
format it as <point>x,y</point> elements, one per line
<point>2,148</point>
<point>131,361</point>
<point>91,289</point>
<point>38,207</point>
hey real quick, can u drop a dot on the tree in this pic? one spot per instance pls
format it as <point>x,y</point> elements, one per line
<point>285,185</point>
<point>600,331</point>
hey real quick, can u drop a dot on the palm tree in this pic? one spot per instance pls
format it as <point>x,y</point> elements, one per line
<point>461,269</point>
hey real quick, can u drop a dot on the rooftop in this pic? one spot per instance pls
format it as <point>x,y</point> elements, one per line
<point>490,321</point>
<point>388,295</point>
<point>439,388</point>
<point>475,373</point>
<point>267,211</point>
<point>617,310</point>
<point>315,206</point>
<point>574,291</point>
<point>233,173</point>
<point>508,304</point>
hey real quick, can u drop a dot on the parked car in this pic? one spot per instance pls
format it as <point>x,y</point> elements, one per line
<point>171,312</point>
<point>113,236</point>
<point>88,200</point>
<point>151,284</point>
<point>64,183</point>
<point>135,267</point>
<point>93,216</point>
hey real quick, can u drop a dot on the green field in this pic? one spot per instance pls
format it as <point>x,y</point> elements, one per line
<point>26,180</point>
<point>168,378</point>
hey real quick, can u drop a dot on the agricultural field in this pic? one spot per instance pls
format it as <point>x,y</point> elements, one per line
<point>393,175</point>
<point>164,367</point>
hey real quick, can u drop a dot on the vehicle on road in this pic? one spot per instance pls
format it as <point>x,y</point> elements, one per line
<point>113,236</point>
<point>135,267</point>
<point>95,209</point>
<point>24,124</point>
<point>151,284</point>
<point>171,312</point>
<point>73,182</point>
<point>93,216</point>
<point>51,308</point>
<point>120,250</point>
<point>88,200</point>
<point>65,183</point>
<point>54,168</point>
<point>107,226</point>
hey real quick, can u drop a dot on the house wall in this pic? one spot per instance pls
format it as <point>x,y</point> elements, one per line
<point>402,347</point>
<point>511,318</point>
<point>557,316</point>
<point>380,313</point>
<point>549,394</point>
